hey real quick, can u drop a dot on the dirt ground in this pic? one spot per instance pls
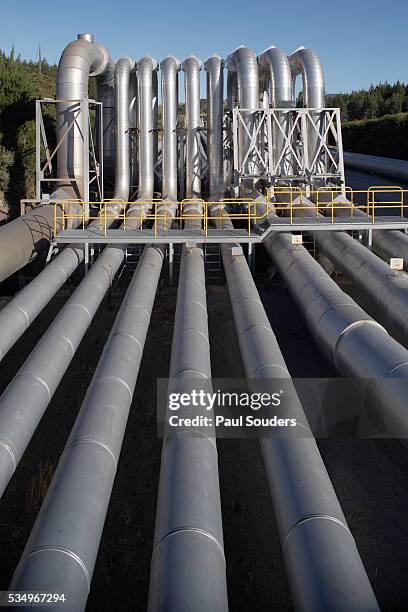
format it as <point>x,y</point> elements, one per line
<point>370,476</point>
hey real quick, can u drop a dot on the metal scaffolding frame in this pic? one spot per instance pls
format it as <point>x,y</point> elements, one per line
<point>92,142</point>
<point>276,146</point>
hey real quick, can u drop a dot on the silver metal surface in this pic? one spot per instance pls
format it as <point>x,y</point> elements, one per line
<point>306,62</point>
<point>191,67</point>
<point>80,60</point>
<point>123,70</point>
<point>215,112</point>
<point>356,344</point>
<point>145,69</point>
<point>243,91</point>
<point>188,564</point>
<point>61,552</point>
<point>169,82</point>
<point>276,85</point>
<point>333,577</point>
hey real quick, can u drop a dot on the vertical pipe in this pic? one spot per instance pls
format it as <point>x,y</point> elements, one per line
<point>215,113</point>
<point>20,312</point>
<point>81,59</point>
<point>243,91</point>
<point>276,81</point>
<point>192,67</point>
<point>169,81</point>
<point>145,69</point>
<point>122,163</point>
<point>133,122</point>
<point>306,62</point>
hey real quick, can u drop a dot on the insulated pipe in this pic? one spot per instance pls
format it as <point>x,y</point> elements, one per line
<point>215,112</point>
<point>306,62</point>
<point>324,567</point>
<point>26,398</point>
<point>133,122</point>
<point>188,564</point>
<point>145,69</point>
<point>60,553</point>
<point>357,345</point>
<point>243,91</point>
<point>169,82</point>
<point>386,293</point>
<point>396,169</point>
<point>20,312</point>
<point>122,164</point>
<point>23,238</point>
<point>391,243</point>
<point>81,59</point>
<point>155,107</point>
<point>276,81</point>
<point>192,67</point>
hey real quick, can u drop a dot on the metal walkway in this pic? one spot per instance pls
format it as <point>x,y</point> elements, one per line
<point>148,236</point>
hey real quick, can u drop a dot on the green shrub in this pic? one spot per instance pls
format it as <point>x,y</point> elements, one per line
<point>387,136</point>
<point>6,161</point>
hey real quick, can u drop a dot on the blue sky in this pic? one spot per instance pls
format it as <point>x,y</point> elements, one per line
<point>358,42</point>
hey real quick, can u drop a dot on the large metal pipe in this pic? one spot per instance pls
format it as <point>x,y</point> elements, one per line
<point>23,238</point>
<point>145,70</point>
<point>328,575</point>
<point>243,91</point>
<point>357,345</point>
<point>391,243</point>
<point>26,398</point>
<point>188,564</point>
<point>306,62</point>
<point>61,552</point>
<point>215,112</point>
<point>276,83</point>
<point>81,59</point>
<point>385,293</point>
<point>20,312</point>
<point>169,81</point>
<point>123,70</point>
<point>192,67</point>
<point>396,169</point>
<point>133,122</point>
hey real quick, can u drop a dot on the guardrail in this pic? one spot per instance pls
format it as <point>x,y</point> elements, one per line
<point>290,203</point>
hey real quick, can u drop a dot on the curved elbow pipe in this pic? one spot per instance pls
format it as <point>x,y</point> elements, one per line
<point>170,68</point>
<point>306,62</point>
<point>243,78</point>
<point>243,91</point>
<point>275,78</point>
<point>122,166</point>
<point>192,67</point>
<point>145,69</point>
<point>81,59</point>
<point>215,114</point>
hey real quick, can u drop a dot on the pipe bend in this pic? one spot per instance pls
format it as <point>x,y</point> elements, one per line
<point>307,63</point>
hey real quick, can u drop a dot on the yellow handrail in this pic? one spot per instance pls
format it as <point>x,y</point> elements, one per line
<point>285,202</point>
